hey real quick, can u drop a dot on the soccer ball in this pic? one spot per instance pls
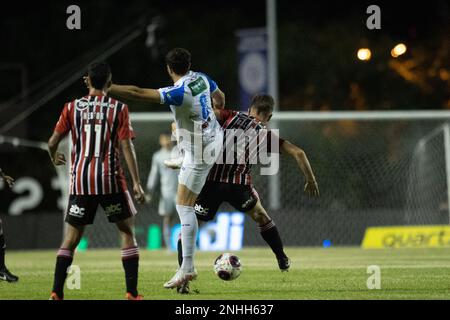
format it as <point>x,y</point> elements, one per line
<point>227,266</point>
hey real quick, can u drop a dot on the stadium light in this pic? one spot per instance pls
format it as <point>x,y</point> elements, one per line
<point>398,50</point>
<point>364,54</point>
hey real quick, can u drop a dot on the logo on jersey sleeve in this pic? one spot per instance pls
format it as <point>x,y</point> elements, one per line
<point>197,86</point>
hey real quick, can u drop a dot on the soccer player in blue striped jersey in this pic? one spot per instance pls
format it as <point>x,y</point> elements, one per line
<point>191,101</point>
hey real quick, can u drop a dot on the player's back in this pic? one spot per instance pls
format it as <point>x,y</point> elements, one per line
<point>190,101</point>
<point>244,141</point>
<point>96,124</point>
<point>241,145</point>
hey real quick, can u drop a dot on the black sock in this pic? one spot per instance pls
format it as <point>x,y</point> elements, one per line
<point>63,261</point>
<point>130,262</point>
<point>270,234</point>
<point>2,251</point>
<point>180,252</point>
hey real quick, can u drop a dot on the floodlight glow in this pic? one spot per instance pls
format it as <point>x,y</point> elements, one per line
<point>398,50</point>
<point>364,54</point>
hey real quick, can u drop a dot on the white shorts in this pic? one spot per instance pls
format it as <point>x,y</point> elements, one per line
<point>195,170</point>
<point>167,206</point>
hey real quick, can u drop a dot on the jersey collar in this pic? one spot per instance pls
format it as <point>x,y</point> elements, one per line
<point>181,80</point>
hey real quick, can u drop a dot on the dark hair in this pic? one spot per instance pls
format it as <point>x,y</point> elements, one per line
<point>99,73</point>
<point>179,60</point>
<point>263,103</point>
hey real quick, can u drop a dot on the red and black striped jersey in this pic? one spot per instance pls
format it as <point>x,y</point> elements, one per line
<point>241,132</point>
<point>96,124</point>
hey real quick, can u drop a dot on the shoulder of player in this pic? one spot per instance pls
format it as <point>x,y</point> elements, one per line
<point>90,99</point>
<point>193,76</point>
<point>202,74</point>
<point>114,103</point>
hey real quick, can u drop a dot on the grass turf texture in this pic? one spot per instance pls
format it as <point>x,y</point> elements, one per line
<point>316,273</point>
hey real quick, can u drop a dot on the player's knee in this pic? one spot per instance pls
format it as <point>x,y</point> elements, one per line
<point>260,216</point>
<point>70,242</point>
<point>128,238</point>
<point>126,231</point>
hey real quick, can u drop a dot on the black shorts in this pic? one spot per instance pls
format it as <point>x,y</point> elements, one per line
<point>242,197</point>
<point>82,208</point>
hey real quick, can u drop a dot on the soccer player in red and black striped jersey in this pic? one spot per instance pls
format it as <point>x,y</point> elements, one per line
<point>231,181</point>
<point>99,127</point>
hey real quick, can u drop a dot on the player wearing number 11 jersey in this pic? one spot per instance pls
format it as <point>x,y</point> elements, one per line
<point>98,127</point>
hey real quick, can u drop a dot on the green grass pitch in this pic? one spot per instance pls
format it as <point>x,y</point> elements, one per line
<point>316,273</point>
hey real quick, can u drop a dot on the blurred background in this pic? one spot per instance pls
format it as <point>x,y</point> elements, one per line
<point>388,171</point>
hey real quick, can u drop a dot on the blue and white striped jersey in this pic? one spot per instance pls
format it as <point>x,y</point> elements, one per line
<point>190,101</point>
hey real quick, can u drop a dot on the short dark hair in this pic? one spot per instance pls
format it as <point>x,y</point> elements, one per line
<point>179,60</point>
<point>99,73</point>
<point>263,103</point>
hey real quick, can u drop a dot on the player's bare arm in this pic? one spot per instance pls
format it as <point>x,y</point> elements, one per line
<point>218,99</point>
<point>8,179</point>
<point>217,114</point>
<point>130,157</point>
<point>134,93</point>
<point>58,158</point>
<point>311,186</point>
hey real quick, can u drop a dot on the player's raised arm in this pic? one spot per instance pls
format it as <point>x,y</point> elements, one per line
<point>311,187</point>
<point>135,93</point>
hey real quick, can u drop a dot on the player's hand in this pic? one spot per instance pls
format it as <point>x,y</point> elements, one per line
<point>312,189</point>
<point>138,193</point>
<point>59,159</point>
<point>9,181</point>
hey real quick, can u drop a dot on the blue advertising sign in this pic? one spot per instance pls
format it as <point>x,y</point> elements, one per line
<point>224,233</point>
<point>253,64</point>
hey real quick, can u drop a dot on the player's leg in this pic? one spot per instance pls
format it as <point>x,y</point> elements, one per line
<point>130,257</point>
<point>269,232</point>
<point>5,274</point>
<point>206,206</point>
<point>119,209</point>
<point>64,259</point>
<point>245,198</point>
<point>189,225</point>
<point>80,212</point>
<point>191,180</point>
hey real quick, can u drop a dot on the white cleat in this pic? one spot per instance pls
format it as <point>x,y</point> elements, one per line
<point>174,163</point>
<point>180,278</point>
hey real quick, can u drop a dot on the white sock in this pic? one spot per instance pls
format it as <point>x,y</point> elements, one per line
<point>189,227</point>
